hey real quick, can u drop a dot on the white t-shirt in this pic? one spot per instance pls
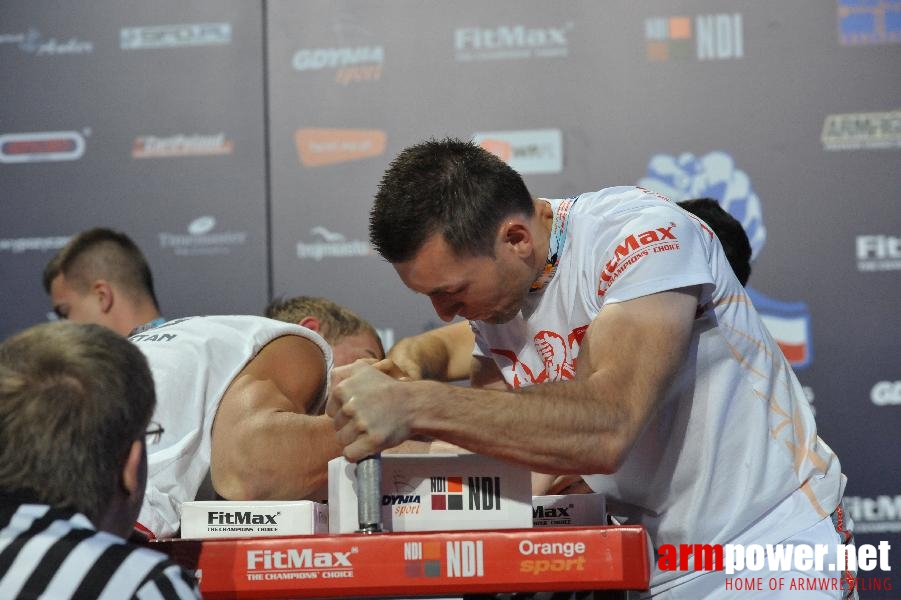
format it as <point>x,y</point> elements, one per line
<point>193,362</point>
<point>735,437</point>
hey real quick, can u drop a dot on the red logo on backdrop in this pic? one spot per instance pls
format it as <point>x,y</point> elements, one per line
<point>44,146</point>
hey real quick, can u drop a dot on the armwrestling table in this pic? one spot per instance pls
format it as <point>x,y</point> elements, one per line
<point>418,564</point>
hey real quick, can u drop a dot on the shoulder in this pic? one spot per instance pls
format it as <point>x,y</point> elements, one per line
<point>168,580</point>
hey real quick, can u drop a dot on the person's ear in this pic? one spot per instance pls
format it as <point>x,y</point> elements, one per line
<point>311,323</point>
<point>517,234</point>
<point>103,291</point>
<point>131,470</point>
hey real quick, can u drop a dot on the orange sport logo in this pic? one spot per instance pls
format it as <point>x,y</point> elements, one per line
<point>320,147</point>
<point>632,249</point>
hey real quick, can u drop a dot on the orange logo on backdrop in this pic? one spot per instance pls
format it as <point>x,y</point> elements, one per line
<point>499,148</point>
<point>318,147</point>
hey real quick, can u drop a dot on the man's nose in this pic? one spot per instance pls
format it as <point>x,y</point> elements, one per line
<point>445,310</point>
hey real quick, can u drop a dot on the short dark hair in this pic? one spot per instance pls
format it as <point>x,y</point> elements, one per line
<point>73,399</point>
<point>335,320</point>
<point>102,253</point>
<point>731,234</point>
<point>448,186</point>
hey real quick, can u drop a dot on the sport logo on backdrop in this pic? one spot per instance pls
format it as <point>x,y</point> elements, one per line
<point>201,240</point>
<point>878,253</point>
<point>881,514</point>
<point>703,37</point>
<point>716,176</point>
<point>320,147</point>
<point>151,146</point>
<point>862,131</point>
<point>511,42</point>
<point>332,245</point>
<point>175,36</point>
<point>350,64</point>
<point>530,151</point>
<point>870,22</point>
<point>886,393</point>
<point>42,146</point>
<point>33,42</point>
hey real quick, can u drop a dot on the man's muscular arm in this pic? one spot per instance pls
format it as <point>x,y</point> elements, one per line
<point>265,446</point>
<point>628,358</point>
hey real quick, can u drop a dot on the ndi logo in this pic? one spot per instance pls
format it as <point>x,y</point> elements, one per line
<point>707,37</point>
<point>484,493</point>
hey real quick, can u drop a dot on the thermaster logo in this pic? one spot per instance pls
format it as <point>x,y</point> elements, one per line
<point>462,558</point>
<point>320,147</point>
<point>527,152</point>
<point>299,563</point>
<point>200,239</point>
<point>151,146</point>
<point>44,146</point>
<point>704,37</point>
<point>878,253</point>
<point>511,42</point>
<point>350,63</point>
<point>175,36</point>
<point>32,42</point>
<point>870,22</point>
<point>886,393</point>
<point>332,245</point>
<point>482,493</point>
<point>862,131</point>
<point>881,514</point>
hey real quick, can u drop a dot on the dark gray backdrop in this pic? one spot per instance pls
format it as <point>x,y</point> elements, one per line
<point>240,143</point>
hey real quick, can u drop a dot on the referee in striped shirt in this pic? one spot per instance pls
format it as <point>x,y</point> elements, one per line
<point>75,408</point>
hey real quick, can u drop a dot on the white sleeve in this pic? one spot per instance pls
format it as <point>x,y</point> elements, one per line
<point>652,250</point>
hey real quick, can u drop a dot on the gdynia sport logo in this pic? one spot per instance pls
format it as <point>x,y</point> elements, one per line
<point>841,560</point>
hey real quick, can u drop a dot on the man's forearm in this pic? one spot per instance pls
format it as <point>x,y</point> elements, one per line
<point>554,428</point>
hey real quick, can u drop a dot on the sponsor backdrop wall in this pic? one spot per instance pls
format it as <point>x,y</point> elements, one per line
<point>240,144</point>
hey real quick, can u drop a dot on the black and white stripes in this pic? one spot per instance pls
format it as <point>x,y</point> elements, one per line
<point>46,553</point>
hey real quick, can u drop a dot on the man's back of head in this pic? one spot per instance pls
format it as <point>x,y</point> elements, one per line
<point>350,336</point>
<point>729,231</point>
<point>74,401</point>
<point>101,276</point>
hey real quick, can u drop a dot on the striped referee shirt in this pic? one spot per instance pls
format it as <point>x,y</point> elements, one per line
<point>50,553</point>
